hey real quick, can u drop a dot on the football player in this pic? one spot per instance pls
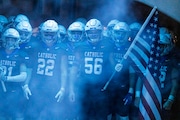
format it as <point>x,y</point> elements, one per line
<point>121,87</point>
<point>3,22</point>
<point>13,74</point>
<point>92,59</point>
<point>62,33</point>
<point>14,20</point>
<point>49,75</point>
<point>135,27</point>
<point>25,30</point>
<point>110,26</point>
<point>169,75</point>
<point>75,36</point>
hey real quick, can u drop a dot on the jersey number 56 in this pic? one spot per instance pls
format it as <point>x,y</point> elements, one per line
<point>93,65</point>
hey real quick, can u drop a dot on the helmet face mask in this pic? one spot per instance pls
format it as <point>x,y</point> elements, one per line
<point>76,31</point>
<point>93,30</point>
<point>120,36</point>
<point>11,39</point>
<point>49,37</point>
<point>25,30</point>
<point>24,36</point>
<point>76,36</point>
<point>166,44</point>
<point>61,33</point>
<point>121,33</point>
<point>49,32</point>
<point>11,43</point>
<point>94,36</point>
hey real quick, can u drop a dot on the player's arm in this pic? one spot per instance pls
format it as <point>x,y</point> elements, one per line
<point>25,87</point>
<point>64,68</point>
<point>63,74</point>
<point>138,89</point>
<point>174,77</point>
<point>18,78</point>
<point>132,81</point>
<point>28,78</point>
<point>72,78</point>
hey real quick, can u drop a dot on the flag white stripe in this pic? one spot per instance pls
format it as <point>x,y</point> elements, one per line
<point>143,111</point>
<point>144,43</point>
<point>153,83</point>
<point>137,62</point>
<point>141,53</point>
<point>151,103</point>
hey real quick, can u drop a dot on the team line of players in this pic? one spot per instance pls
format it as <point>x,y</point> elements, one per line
<point>60,71</point>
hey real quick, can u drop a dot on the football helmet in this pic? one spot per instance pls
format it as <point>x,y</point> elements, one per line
<point>75,32</point>
<point>121,32</point>
<point>10,39</point>
<point>20,18</point>
<point>135,27</point>
<point>166,44</point>
<point>25,30</point>
<point>61,33</point>
<point>110,26</point>
<point>93,30</point>
<point>49,31</point>
<point>3,20</point>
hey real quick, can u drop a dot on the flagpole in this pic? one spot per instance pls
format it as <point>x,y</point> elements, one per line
<point>131,46</point>
<point>3,86</point>
<point>2,82</point>
<point>140,31</point>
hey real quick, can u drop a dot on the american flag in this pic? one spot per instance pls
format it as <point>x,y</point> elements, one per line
<point>144,53</point>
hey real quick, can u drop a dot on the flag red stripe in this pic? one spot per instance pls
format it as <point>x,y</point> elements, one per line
<point>147,107</point>
<point>153,94</point>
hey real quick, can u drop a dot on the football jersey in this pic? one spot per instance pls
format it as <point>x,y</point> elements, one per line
<point>93,62</point>
<point>120,78</point>
<point>165,75</point>
<point>71,50</point>
<point>29,48</point>
<point>46,67</point>
<point>11,64</point>
<point>176,64</point>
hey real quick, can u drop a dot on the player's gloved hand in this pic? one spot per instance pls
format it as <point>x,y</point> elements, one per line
<point>3,77</point>
<point>118,67</point>
<point>60,95</point>
<point>71,96</point>
<point>128,99</point>
<point>27,91</point>
<point>168,104</point>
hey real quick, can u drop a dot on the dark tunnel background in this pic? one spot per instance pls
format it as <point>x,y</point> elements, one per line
<point>67,11</point>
